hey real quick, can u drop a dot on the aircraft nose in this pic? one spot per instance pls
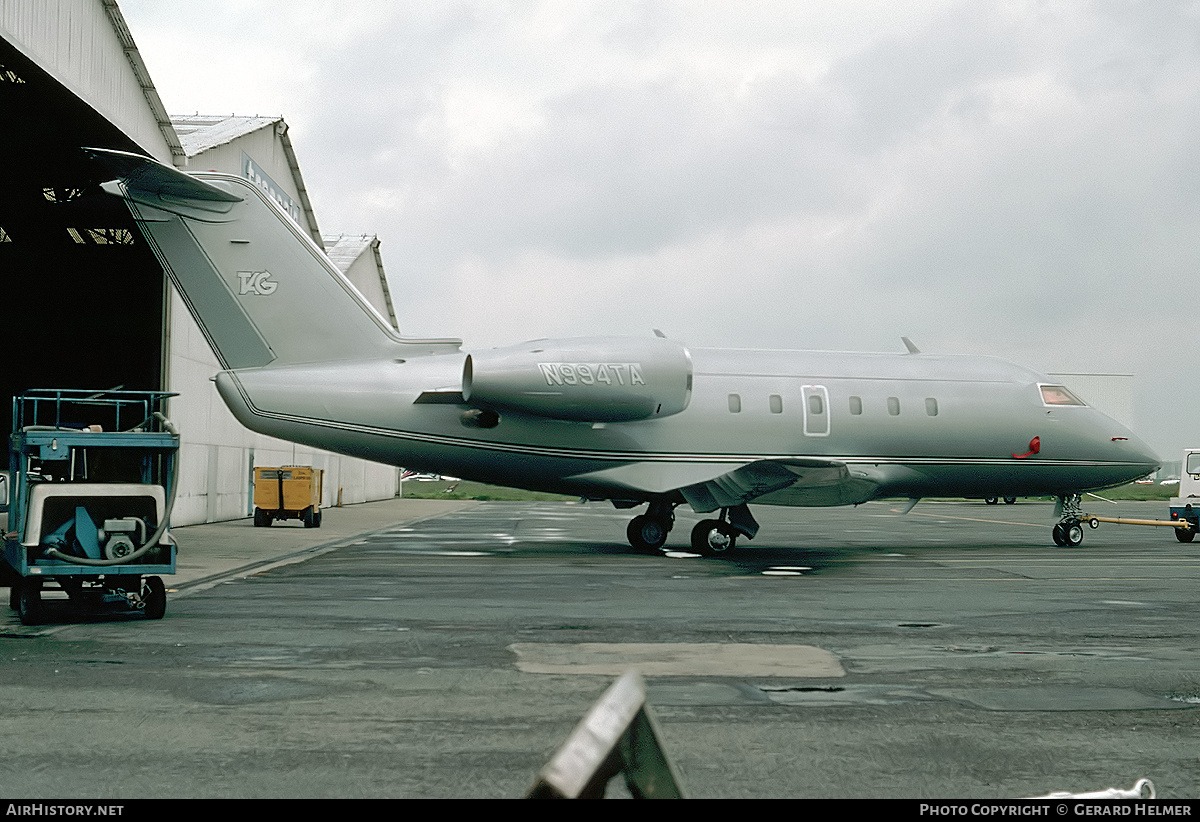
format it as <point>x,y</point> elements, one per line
<point>1136,452</point>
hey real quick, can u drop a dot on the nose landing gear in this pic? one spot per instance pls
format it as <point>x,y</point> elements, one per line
<point>1068,533</point>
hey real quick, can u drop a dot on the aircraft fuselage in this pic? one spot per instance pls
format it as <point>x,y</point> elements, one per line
<point>915,425</point>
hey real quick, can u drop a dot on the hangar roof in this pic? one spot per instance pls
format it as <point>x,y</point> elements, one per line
<point>345,251</point>
<point>200,132</point>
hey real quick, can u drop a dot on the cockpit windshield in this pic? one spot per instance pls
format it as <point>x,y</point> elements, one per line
<point>1059,395</point>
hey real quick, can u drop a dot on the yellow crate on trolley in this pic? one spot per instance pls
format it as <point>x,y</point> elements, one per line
<point>288,492</point>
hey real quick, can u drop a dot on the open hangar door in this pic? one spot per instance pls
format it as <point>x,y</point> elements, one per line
<point>83,295</point>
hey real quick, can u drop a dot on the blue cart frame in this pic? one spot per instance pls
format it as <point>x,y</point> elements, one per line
<point>92,479</point>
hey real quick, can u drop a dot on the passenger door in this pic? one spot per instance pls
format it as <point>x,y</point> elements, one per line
<point>816,410</point>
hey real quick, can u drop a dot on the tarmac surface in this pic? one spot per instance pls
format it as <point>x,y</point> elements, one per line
<point>415,648</point>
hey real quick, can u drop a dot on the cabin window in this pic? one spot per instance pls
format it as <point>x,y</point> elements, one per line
<point>931,406</point>
<point>776,404</point>
<point>816,406</point>
<point>1059,395</point>
<point>735,403</point>
<point>894,406</point>
<point>856,406</point>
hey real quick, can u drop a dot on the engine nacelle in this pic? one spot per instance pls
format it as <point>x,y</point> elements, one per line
<point>596,379</point>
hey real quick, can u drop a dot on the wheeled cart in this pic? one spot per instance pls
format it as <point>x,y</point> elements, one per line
<point>91,482</point>
<point>288,492</point>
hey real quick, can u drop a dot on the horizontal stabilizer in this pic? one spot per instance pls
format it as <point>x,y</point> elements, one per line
<point>144,176</point>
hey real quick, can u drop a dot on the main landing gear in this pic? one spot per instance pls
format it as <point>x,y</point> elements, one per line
<point>648,532</point>
<point>713,538</point>
<point>718,537</point>
<point>1068,533</point>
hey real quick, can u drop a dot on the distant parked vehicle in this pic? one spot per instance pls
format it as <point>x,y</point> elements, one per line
<point>1186,506</point>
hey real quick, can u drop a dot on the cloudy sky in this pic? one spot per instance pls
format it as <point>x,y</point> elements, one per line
<point>1013,177</point>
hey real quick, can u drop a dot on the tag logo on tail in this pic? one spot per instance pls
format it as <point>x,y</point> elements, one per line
<point>256,282</point>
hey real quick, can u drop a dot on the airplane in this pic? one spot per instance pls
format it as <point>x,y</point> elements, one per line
<point>639,421</point>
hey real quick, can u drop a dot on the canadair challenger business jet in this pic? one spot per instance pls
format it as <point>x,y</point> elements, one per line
<point>638,421</point>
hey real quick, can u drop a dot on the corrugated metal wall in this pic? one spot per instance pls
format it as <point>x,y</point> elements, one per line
<point>75,41</point>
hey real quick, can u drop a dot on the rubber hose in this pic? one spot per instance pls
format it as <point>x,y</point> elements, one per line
<point>154,538</point>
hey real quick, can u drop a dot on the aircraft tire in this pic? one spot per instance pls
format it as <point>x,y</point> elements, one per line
<point>1075,534</point>
<point>991,500</point>
<point>713,538</point>
<point>1069,534</point>
<point>646,534</point>
<point>1010,500</point>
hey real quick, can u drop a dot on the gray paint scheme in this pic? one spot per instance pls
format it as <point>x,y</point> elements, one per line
<point>307,359</point>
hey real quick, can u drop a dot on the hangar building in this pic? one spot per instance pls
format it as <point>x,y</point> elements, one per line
<point>87,304</point>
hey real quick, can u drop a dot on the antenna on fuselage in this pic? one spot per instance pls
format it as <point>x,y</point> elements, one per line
<point>912,349</point>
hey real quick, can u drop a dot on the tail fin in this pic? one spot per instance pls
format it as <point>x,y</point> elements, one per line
<point>261,290</point>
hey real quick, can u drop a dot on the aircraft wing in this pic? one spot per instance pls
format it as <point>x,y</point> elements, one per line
<point>800,481</point>
<point>709,486</point>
